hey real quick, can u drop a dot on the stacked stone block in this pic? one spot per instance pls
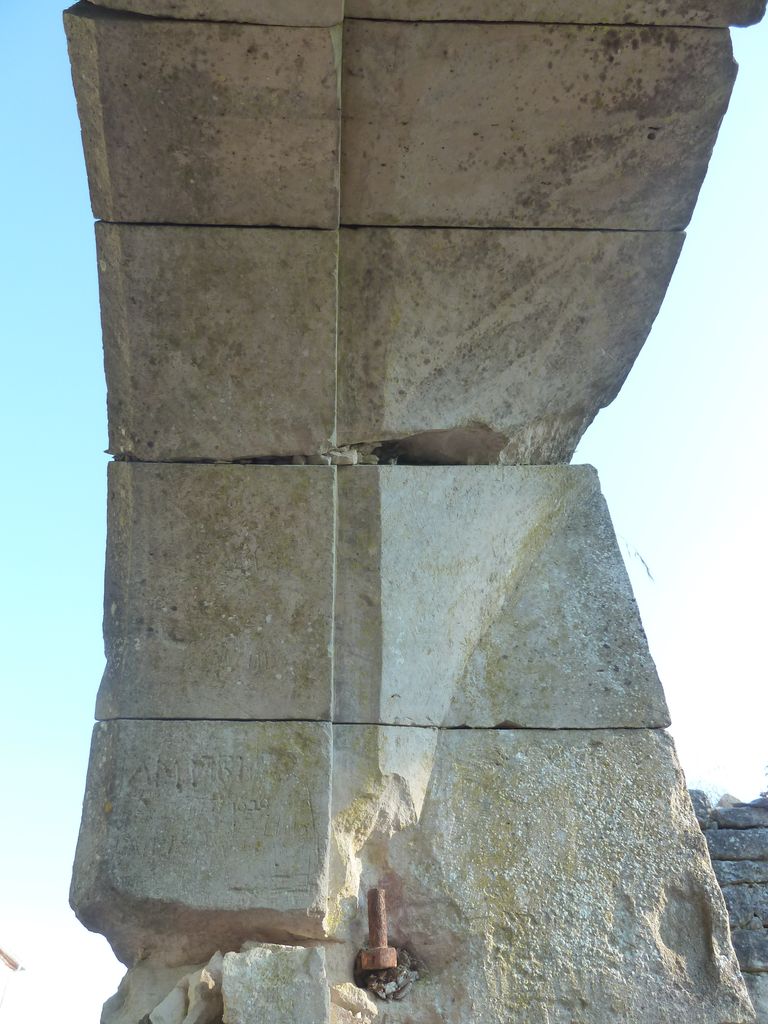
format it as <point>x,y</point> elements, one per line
<point>737,837</point>
<point>365,281</point>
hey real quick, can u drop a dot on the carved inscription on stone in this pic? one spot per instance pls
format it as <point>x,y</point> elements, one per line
<point>253,796</point>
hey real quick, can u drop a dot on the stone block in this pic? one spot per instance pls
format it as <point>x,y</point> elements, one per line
<point>220,343</point>
<point>198,835</point>
<point>747,905</point>
<point>279,984</point>
<point>708,13</point>
<point>211,123</point>
<point>738,844</point>
<point>540,876</point>
<point>757,986</point>
<point>481,596</point>
<point>219,592</point>
<point>529,126</point>
<point>256,12</point>
<point>751,949</point>
<point>486,346</point>
<point>702,807</point>
<point>741,872</point>
<point>741,816</point>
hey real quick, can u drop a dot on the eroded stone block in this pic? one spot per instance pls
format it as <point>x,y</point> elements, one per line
<point>220,343</point>
<point>488,346</point>
<point>258,12</point>
<point>484,596</point>
<point>461,124</point>
<point>198,835</point>
<point>751,949</point>
<point>219,592</point>
<point>741,872</point>
<point>279,984</point>
<point>595,12</point>
<point>747,905</point>
<point>738,844</point>
<point>742,816</point>
<point>206,123</point>
<point>540,876</point>
<point>757,986</point>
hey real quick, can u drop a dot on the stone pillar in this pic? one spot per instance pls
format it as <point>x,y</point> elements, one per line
<point>365,281</point>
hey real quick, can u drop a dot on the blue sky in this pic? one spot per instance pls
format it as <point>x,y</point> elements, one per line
<point>681,453</point>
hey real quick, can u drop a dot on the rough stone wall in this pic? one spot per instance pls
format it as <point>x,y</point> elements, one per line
<point>365,281</point>
<point>737,838</point>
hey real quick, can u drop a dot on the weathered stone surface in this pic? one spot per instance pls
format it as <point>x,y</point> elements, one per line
<point>738,844</point>
<point>529,125</point>
<point>541,876</point>
<point>257,12</point>
<point>219,343</point>
<point>514,338</point>
<point>279,984</point>
<point>746,903</point>
<point>198,835</point>
<point>744,816</point>
<point>600,12</point>
<point>751,949</point>
<point>195,999</point>
<point>219,592</point>
<point>485,595</point>
<point>143,988</point>
<point>757,986</point>
<point>702,807</point>
<point>214,124</point>
<point>741,872</point>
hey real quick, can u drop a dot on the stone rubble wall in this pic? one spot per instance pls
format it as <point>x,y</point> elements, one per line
<point>366,277</point>
<point>737,838</point>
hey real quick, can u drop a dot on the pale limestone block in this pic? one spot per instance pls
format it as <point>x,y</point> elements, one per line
<point>142,988</point>
<point>279,984</point>
<point>483,346</point>
<point>549,876</point>
<point>219,343</point>
<point>219,592</point>
<point>198,835</point>
<point>529,126</point>
<point>256,12</point>
<point>708,13</point>
<point>757,986</point>
<point>205,123</point>
<point>484,596</point>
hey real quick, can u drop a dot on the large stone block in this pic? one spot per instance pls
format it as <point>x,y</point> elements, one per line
<point>485,595</point>
<point>540,876</point>
<point>461,124</point>
<point>207,123</point>
<point>594,12</point>
<point>738,844</point>
<point>279,984</point>
<point>742,816</point>
<point>219,343</point>
<point>757,986</point>
<point>491,345</point>
<point>741,872</point>
<point>219,592</point>
<point>257,12</point>
<point>199,835</point>
<point>747,905</point>
<point>752,949</point>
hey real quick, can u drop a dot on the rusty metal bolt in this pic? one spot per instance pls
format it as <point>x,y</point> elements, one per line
<point>379,956</point>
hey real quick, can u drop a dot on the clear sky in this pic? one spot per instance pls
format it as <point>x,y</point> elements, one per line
<point>681,453</point>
